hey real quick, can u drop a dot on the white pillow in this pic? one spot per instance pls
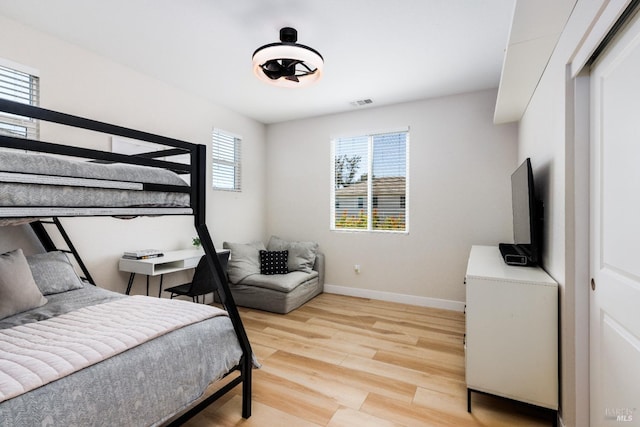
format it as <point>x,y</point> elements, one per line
<point>18,290</point>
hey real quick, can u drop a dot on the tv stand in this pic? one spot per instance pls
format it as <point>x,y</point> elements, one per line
<point>511,341</point>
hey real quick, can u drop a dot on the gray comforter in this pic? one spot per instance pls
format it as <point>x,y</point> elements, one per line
<point>142,386</point>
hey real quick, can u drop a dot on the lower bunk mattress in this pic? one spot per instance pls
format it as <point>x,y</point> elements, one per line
<point>144,385</point>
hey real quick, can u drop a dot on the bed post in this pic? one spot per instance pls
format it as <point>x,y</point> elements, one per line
<point>199,184</point>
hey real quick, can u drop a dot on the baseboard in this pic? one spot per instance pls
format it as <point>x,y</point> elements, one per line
<point>393,297</point>
<point>561,421</point>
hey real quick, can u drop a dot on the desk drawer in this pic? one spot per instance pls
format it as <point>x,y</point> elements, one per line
<point>191,262</point>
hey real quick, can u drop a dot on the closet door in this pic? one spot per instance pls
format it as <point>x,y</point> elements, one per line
<point>615,232</point>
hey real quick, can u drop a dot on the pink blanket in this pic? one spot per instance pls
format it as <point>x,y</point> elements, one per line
<point>35,354</point>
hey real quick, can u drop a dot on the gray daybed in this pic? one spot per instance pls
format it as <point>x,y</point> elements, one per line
<point>254,286</point>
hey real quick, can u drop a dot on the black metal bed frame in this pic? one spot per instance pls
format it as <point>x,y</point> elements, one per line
<point>197,191</point>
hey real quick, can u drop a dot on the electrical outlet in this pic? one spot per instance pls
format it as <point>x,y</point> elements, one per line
<point>356,268</point>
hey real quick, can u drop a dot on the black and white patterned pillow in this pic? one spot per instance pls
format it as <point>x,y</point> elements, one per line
<point>274,262</point>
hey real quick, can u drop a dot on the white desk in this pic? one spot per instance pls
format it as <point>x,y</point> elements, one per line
<point>171,262</point>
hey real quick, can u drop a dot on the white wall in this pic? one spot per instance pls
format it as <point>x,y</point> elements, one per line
<point>460,167</point>
<point>548,134</point>
<point>76,81</point>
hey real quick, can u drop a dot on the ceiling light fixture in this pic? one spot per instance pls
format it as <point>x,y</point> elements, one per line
<point>287,64</point>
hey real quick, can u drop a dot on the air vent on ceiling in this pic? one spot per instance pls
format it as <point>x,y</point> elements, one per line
<point>361,102</point>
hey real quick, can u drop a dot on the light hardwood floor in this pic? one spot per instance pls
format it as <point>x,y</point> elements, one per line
<point>344,361</point>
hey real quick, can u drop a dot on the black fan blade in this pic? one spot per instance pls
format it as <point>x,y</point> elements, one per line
<point>276,68</point>
<point>272,69</point>
<point>289,66</point>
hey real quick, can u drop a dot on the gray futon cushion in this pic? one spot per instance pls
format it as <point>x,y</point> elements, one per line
<point>280,282</point>
<point>302,255</point>
<point>244,260</point>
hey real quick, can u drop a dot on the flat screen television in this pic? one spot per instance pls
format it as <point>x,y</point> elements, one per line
<point>527,220</point>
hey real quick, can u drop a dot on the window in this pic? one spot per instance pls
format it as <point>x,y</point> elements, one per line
<point>19,86</point>
<point>370,182</point>
<point>226,161</point>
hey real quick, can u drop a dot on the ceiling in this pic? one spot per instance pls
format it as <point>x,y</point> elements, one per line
<point>386,51</point>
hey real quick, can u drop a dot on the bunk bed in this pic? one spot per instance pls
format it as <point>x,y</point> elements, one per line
<point>159,378</point>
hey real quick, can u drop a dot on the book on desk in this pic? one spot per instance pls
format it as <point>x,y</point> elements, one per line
<point>143,254</point>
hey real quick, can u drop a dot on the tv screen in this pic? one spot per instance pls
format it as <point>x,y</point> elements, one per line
<point>521,202</point>
<point>527,219</point>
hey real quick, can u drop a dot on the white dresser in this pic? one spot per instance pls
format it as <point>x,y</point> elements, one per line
<point>511,342</point>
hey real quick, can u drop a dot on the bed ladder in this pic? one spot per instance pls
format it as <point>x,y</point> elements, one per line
<point>41,232</point>
<point>246,362</point>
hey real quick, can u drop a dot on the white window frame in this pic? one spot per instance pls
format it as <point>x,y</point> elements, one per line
<point>15,88</point>
<point>369,202</point>
<point>220,136</point>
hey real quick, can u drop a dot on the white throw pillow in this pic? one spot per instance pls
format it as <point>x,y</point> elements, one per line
<point>18,290</point>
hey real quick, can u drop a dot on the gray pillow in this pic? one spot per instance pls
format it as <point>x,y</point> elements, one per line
<point>53,273</point>
<point>18,291</point>
<point>244,260</point>
<point>302,255</point>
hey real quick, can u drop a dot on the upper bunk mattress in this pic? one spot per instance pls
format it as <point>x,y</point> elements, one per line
<point>42,185</point>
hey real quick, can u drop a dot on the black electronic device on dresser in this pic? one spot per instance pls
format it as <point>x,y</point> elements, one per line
<point>527,220</point>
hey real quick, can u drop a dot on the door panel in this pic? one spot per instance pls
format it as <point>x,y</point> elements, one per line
<point>615,229</point>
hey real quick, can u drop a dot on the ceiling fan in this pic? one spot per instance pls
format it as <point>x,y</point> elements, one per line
<point>287,63</point>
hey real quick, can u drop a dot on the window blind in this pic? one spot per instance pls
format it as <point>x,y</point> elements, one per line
<point>350,182</point>
<point>21,87</point>
<point>226,161</point>
<point>370,182</point>
<point>389,177</point>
